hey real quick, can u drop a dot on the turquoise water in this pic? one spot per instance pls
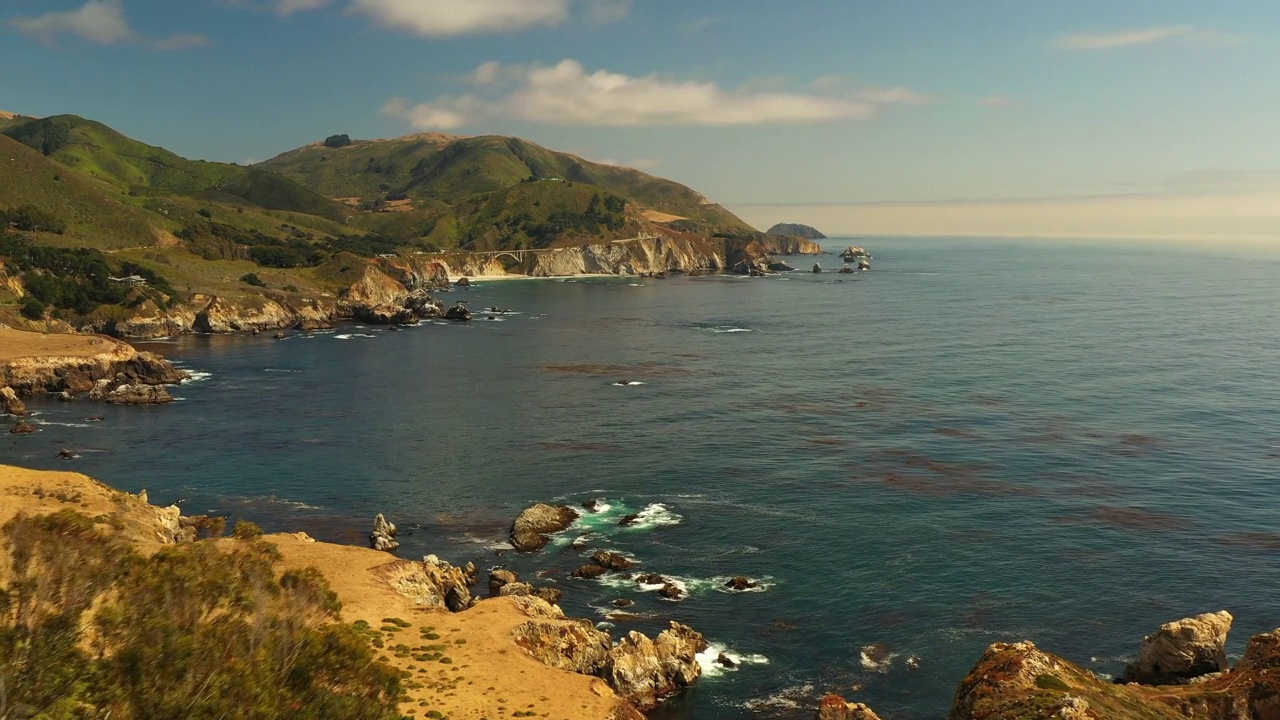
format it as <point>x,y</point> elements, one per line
<point>974,442</point>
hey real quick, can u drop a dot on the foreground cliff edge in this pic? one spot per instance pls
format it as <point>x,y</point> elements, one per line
<point>498,657</point>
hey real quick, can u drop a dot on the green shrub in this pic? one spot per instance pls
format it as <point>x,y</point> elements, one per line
<point>245,530</point>
<point>252,279</point>
<point>189,632</point>
<point>32,308</point>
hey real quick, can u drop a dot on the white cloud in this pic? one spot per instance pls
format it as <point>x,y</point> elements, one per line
<point>566,94</point>
<point>445,18</point>
<point>1122,39</point>
<point>101,22</point>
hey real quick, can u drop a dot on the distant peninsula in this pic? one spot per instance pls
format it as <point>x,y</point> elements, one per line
<point>797,230</point>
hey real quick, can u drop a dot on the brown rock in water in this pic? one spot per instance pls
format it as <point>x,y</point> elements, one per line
<point>530,529</point>
<point>95,418</point>
<point>741,583</point>
<point>139,395</point>
<point>817,268</point>
<point>629,520</point>
<point>65,454</point>
<point>846,270</point>
<point>550,594</point>
<point>645,671</point>
<point>22,428</point>
<point>651,579</point>
<point>500,578</point>
<point>834,707</point>
<point>10,404</point>
<point>575,646</point>
<point>589,571</point>
<point>463,282</point>
<point>1182,650</point>
<point>623,603</point>
<point>383,535</point>
<point>671,591</point>
<point>612,560</point>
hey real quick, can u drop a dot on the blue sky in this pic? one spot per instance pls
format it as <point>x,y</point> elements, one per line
<point>753,102</point>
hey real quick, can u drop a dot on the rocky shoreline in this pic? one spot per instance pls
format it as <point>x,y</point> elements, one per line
<point>100,368</point>
<point>397,289</point>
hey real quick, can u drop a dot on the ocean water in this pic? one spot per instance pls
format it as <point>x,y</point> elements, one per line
<point>976,441</point>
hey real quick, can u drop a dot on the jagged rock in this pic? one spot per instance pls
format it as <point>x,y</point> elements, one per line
<point>458,313</point>
<point>846,270</point>
<point>139,395</point>
<point>423,305</point>
<point>463,282</point>
<point>550,594</point>
<point>530,529</point>
<point>651,579</point>
<point>592,505</point>
<point>386,314</point>
<point>645,671</point>
<point>671,591</point>
<point>612,560</point>
<point>65,396</point>
<point>536,607</point>
<point>515,588</point>
<point>383,535</point>
<point>95,418</point>
<point>65,454</point>
<point>779,266</point>
<point>749,259</point>
<point>589,571</point>
<point>725,661</point>
<point>741,583</point>
<point>471,572</point>
<point>22,428</point>
<point>623,603</point>
<point>629,520</point>
<point>834,707</point>
<point>575,646</point>
<point>852,253</point>
<point>10,404</point>
<point>864,264</point>
<point>430,583</point>
<point>817,268</point>
<point>1182,650</point>
<point>500,578</point>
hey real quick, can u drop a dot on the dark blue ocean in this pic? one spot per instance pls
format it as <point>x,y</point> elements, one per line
<point>976,441</point>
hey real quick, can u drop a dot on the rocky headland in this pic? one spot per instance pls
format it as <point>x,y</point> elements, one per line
<point>797,230</point>
<point>102,368</point>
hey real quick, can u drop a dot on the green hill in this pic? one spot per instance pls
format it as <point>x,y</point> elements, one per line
<point>99,152</point>
<point>436,169</point>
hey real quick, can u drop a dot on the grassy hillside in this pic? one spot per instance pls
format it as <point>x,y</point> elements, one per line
<point>95,150</point>
<point>446,169</point>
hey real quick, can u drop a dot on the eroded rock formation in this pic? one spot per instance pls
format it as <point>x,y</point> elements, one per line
<point>530,529</point>
<point>1182,650</point>
<point>383,535</point>
<point>430,583</point>
<point>834,707</point>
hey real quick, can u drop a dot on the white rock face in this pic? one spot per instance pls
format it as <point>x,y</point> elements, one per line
<point>1182,650</point>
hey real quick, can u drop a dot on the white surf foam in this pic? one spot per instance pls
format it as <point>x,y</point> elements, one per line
<point>348,336</point>
<point>708,660</point>
<point>876,658</point>
<point>629,383</point>
<point>197,376</point>
<point>655,515</point>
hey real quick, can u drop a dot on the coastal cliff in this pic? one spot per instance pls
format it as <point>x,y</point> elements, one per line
<point>35,364</point>
<point>797,230</point>
<point>791,245</point>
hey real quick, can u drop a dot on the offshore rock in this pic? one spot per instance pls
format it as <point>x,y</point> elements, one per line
<point>139,395</point>
<point>612,560</point>
<point>423,305</point>
<point>10,404</point>
<point>1182,650</point>
<point>741,583</point>
<point>817,268</point>
<point>386,315</point>
<point>748,259</point>
<point>383,535</point>
<point>530,529</point>
<point>575,646</point>
<point>645,671</point>
<point>458,313</point>
<point>22,428</point>
<point>834,707</point>
<point>797,230</point>
<point>589,571</point>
